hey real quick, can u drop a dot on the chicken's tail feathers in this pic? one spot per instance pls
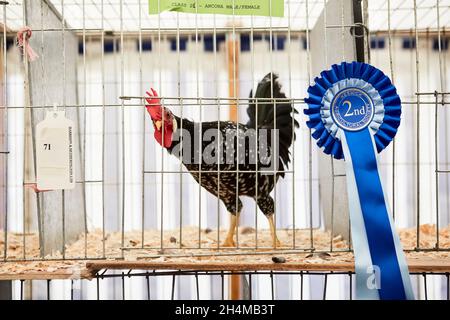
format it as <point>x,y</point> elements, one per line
<point>269,108</point>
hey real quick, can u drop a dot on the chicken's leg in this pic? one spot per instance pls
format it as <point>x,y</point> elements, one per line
<point>273,231</point>
<point>229,240</point>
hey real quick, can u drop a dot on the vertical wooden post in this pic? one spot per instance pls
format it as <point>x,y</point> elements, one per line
<point>233,75</point>
<point>233,92</point>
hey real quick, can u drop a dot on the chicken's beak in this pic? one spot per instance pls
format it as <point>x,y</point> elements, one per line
<point>158,124</point>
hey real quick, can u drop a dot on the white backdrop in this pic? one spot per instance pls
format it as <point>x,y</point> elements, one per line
<point>212,81</point>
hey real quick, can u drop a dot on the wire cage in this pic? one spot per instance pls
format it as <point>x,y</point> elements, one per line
<point>137,225</point>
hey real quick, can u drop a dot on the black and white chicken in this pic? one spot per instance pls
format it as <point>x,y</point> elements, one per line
<point>263,152</point>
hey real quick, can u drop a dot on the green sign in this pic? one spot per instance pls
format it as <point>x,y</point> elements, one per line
<point>274,8</point>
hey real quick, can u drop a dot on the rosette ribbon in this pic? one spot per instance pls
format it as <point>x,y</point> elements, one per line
<point>354,113</point>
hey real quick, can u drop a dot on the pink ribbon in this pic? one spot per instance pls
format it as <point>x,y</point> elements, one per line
<point>24,43</point>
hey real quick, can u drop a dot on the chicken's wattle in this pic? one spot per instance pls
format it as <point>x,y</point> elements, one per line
<point>164,128</point>
<point>167,128</point>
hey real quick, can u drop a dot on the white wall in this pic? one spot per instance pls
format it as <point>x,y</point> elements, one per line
<point>212,81</point>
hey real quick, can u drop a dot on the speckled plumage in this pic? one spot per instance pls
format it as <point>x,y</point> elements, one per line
<point>247,178</point>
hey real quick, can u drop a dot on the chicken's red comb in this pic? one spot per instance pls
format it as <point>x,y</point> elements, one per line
<point>152,99</point>
<point>153,104</point>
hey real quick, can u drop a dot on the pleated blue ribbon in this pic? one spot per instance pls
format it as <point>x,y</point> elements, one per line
<point>354,111</point>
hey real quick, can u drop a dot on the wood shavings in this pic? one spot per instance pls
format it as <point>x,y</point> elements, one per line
<point>427,237</point>
<point>175,254</point>
<point>320,255</point>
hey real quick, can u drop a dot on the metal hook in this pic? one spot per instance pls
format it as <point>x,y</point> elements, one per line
<point>360,25</point>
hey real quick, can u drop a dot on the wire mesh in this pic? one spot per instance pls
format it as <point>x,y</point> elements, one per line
<point>129,183</point>
<point>149,290</point>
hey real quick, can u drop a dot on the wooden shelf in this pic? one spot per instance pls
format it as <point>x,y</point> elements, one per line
<point>71,269</point>
<point>415,265</point>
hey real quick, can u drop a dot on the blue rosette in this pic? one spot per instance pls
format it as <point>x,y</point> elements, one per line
<point>354,113</point>
<point>386,117</point>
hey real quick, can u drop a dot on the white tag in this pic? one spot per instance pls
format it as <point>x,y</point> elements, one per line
<point>54,152</point>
